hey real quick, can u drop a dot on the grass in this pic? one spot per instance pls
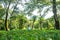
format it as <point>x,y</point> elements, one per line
<point>30,35</point>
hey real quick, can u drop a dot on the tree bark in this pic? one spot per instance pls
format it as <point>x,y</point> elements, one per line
<point>55,15</point>
<point>6,18</point>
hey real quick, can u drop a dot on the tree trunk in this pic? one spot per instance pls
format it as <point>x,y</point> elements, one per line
<point>21,23</point>
<point>6,18</point>
<point>55,15</point>
<point>33,25</point>
<point>40,25</point>
<point>6,23</point>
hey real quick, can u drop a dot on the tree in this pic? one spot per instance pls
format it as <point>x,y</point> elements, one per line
<point>2,12</point>
<point>22,20</point>
<point>40,22</point>
<point>55,15</point>
<point>6,18</point>
<point>39,4</point>
<point>11,15</point>
<point>33,19</point>
<point>7,4</point>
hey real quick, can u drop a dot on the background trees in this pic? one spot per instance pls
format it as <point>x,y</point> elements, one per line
<point>16,18</point>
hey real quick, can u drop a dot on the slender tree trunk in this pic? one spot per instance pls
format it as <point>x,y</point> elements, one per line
<point>40,26</point>
<point>40,22</point>
<point>48,25</point>
<point>21,23</point>
<point>6,18</point>
<point>55,15</point>
<point>6,21</point>
<point>33,25</point>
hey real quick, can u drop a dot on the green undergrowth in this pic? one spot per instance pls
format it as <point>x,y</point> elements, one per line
<point>30,35</point>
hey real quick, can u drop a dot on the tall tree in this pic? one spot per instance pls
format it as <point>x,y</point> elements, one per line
<point>55,15</point>
<point>6,18</point>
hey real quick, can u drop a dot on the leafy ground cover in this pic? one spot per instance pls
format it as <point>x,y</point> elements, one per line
<point>30,35</point>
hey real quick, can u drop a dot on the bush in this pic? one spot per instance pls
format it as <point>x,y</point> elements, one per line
<point>30,35</point>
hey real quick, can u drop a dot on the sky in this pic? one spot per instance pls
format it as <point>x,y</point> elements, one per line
<point>49,13</point>
<point>35,12</point>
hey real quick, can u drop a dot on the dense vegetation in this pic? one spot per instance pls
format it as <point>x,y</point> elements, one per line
<point>30,35</point>
<point>14,17</point>
<point>29,19</point>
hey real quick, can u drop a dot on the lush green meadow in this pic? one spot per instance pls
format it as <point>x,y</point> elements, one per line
<point>30,35</point>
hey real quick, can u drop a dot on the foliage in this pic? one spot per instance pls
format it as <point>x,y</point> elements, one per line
<point>16,18</point>
<point>2,11</point>
<point>2,24</point>
<point>19,22</point>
